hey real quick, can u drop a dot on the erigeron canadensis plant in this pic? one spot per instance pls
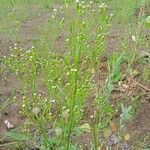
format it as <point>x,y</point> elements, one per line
<point>105,110</point>
<point>80,53</point>
<point>38,114</point>
<point>25,65</point>
<point>68,78</point>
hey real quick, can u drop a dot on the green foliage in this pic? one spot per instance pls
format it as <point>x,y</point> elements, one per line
<point>67,78</point>
<point>146,73</point>
<point>126,115</point>
<point>114,65</point>
<point>67,73</point>
<point>148,22</point>
<point>18,136</point>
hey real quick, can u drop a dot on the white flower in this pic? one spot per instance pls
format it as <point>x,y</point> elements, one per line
<point>67,84</point>
<point>74,70</point>
<point>83,23</point>
<point>28,51</point>
<point>111,15</point>
<point>91,117</point>
<point>53,16</point>
<point>91,2</point>
<point>23,105</point>
<point>33,93</point>
<point>84,7</point>
<point>133,38</point>
<point>67,40</point>
<point>52,101</point>
<point>54,10</point>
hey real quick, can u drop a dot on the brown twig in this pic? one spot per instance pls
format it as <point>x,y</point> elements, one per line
<point>8,143</point>
<point>142,86</point>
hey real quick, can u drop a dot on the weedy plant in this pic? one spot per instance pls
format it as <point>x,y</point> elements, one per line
<point>105,110</point>
<point>68,78</point>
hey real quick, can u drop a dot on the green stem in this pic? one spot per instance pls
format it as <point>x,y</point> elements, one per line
<point>95,136</point>
<point>71,123</point>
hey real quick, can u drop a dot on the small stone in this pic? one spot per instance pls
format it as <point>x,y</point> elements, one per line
<point>124,146</point>
<point>8,124</point>
<point>113,139</point>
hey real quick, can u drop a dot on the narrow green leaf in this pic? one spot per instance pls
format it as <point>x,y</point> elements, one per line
<point>148,22</point>
<point>18,136</point>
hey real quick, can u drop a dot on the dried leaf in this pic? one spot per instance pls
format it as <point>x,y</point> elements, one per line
<point>112,126</point>
<point>102,66</point>
<point>102,147</point>
<point>127,137</point>
<point>107,133</point>
<point>85,127</point>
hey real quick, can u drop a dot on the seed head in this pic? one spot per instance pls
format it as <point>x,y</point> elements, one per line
<point>58,131</point>
<point>77,1</point>
<point>54,10</point>
<point>67,40</point>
